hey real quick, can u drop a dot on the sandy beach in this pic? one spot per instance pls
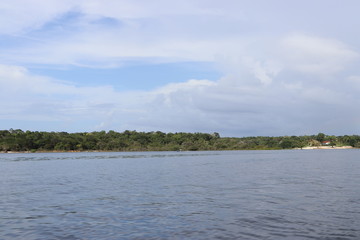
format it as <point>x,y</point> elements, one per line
<point>326,147</point>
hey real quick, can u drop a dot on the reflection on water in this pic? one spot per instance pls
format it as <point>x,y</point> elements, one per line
<point>181,195</point>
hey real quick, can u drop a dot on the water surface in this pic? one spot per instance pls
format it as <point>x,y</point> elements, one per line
<point>294,194</point>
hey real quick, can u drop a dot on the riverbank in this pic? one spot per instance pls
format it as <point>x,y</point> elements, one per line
<point>74,151</point>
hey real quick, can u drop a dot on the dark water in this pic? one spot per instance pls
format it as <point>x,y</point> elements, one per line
<point>300,194</point>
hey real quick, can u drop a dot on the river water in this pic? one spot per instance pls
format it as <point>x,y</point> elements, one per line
<point>290,194</point>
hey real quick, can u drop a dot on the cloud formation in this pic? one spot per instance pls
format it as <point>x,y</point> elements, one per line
<point>316,55</point>
<point>282,74</point>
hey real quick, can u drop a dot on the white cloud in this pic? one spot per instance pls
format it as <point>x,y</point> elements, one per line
<point>195,105</point>
<point>26,96</point>
<point>16,79</point>
<point>316,55</point>
<point>263,71</point>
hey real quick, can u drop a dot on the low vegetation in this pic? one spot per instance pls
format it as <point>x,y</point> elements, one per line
<point>18,140</point>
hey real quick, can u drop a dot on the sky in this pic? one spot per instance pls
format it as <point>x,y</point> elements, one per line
<point>236,67</point>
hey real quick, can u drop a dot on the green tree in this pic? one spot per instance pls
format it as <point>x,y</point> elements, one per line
<point>320,137</point>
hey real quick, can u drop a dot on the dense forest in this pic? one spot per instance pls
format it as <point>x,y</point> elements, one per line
<point>33,141</point>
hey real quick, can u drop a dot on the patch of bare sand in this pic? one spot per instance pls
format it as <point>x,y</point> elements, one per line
<point>327,147</point>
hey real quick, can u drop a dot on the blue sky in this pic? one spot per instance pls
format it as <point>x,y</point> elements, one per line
<point>134,76</point>
<point>240,68</point>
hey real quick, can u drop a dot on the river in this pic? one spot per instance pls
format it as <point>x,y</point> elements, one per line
<point>285,194</point>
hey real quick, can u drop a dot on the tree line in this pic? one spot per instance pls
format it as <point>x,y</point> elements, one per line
<point>18,140</point>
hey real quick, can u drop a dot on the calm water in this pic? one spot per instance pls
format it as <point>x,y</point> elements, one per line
<point>300,194</point>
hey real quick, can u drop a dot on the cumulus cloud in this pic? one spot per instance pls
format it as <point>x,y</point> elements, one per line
<point>194,105</point>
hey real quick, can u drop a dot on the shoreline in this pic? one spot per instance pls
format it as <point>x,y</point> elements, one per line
<point>76,151</point>
<point>325,147</point>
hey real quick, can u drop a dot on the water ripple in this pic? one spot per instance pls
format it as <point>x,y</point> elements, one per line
<point>206,195</point>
